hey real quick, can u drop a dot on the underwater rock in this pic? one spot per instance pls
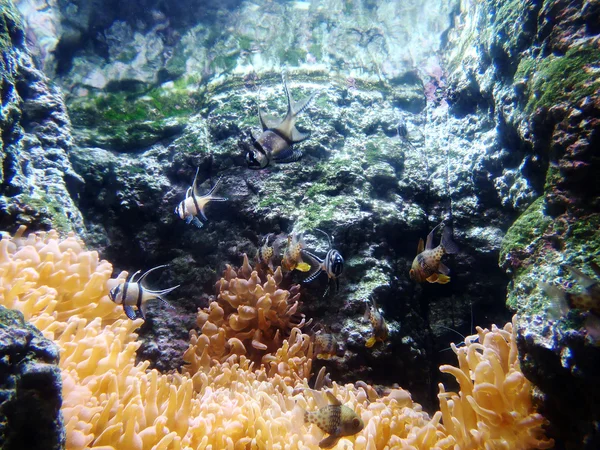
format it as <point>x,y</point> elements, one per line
<point>37,180</point>
<point>30,386</point>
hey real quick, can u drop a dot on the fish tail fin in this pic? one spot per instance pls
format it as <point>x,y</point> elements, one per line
<point>443,279</point>
<point>449,245</point>
<point>212,191</point>
<point>370,342</point>
<point>159,295</point>
<point>559,305</point>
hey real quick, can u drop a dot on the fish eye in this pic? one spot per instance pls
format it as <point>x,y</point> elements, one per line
<point>356,422</point>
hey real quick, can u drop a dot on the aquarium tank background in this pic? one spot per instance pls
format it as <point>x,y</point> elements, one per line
<point>300,224</point>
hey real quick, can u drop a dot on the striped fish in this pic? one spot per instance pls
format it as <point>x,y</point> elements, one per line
<point>193,204</point>
<point>133,293</point>
<point>332,265</point>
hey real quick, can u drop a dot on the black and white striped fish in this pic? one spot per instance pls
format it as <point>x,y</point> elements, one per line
<point>332,264</point>
<point>276,142</point>
<point>193,204</point>
<point>132,293</point>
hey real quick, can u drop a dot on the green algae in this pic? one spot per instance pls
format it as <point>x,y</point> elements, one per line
<point>47,206</point>
<point>556,79</point>
<point>526,229</point>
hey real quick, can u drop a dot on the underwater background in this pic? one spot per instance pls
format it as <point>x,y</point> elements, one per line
<point>119,122</point>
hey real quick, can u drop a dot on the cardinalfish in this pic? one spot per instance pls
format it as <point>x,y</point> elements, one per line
<point>586,300</point>
<point>266,252</point>
<point>193,204</point>
<point>326,346</point>
<point>427,265</point>
<point>292,256</point>
<point>332,265</point>
<point>133,293</point>
<point>336,419</point>
<point>275,144</point>
<point>380,328</point>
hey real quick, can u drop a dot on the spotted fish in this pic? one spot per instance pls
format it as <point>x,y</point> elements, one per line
<point>378,324</point>
<point>336,419</point>
<point>326,345</point>
<point>133,293</point>
<point>427,265</point>
<point>292,256</point>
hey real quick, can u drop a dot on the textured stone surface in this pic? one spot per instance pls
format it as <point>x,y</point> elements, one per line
<point>30,387</point>
<point>537,63</point>
<point>36,179</point>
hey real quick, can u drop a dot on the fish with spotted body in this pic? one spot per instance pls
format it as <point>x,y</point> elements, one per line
<point>132,293</point>
<point>378,324</point>
<point>276,142</point>
<point>336,419</point>
<point>427,265</point>
<point>326,346</point>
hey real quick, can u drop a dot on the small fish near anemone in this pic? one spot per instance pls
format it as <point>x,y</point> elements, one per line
<point>292,256</point>
<point>193,204</point>
<point>265,253</point>
<point>336,419</point>
<point>332,265</point>
<point>326,346</point>
<point>586,300</point>
<point>275,144</point>
<point>427,265</point>
<point>380,328</point>
<point>132,293</point>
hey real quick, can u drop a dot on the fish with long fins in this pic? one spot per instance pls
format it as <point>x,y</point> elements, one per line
<point>427,265</point>
<point>194,203</point>
<point>132,293</point>
<point>336,419</point>
<point>276,142</point>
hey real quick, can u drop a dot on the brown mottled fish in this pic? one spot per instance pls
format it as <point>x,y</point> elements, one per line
<point>266,252</point>
<point>292,256</point>
<point>275,144</point>
<point>380,328</point>
<point>336,419</point>
<point>326,345</point>
<point>587,300</point>
<point>427,265</point>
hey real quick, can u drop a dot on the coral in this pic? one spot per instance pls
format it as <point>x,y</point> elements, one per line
<point>111,402</point>
<point>251,317</point>
<point>493,408</point>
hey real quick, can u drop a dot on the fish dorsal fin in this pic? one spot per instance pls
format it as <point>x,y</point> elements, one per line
<point>131,278</point>
<point>188,193</point>
<point>267,121</point>
<point>421,246</point>
<point>139,281</point>
<point>193,187</point>
<point>584,280</point>
<point>429,244</point>
<point>299,107</point>
<point>333,399</point>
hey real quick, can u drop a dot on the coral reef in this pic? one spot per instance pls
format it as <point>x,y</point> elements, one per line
<point>111,402</point>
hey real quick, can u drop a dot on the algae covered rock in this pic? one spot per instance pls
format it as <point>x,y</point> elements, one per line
<point>30,387</point>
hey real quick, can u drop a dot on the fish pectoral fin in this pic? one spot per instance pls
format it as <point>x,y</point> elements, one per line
<point>303,267</point>
<point>443,268</point>
<point>298,136</point>
<point>443,279</point>
<point>288,155</point>
<point>129,312</point>
<point>329,441</point>
<point>333,399</point>
<point>420,246</point>
<point>370,342</point>
<point>433,278</point>
<point>196,222</point>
